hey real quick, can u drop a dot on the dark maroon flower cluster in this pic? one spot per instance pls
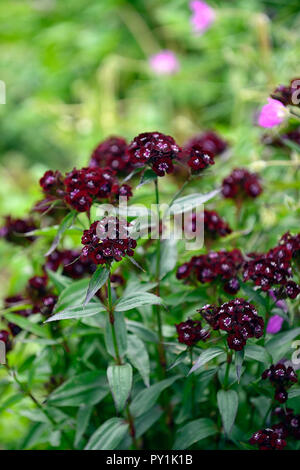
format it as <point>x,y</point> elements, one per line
<point>73,266</point>
<point>269,439</point>
<point>40,295</point>
<point>190,332</point>
<point>214,225</point>
<point>290,422</point>
<point>14,230</point>
<point>273,268</point>
<point>198,160</point>
<point>4,336</point>
<point>107,240</point>
<point>209,142</point>
<point>291,243</point>
<point>112,153</point>
<point>154,149</point>
<point>237,317</point>
<point>241,184</point>
<point>216,265</point>
<point>80,188</point>
<point>85,185</point>
<point>282,378</point>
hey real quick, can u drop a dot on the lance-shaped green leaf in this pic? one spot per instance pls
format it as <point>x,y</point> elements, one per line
<point>139,358</point>
<point>137,300</point>
<point>66,223</point>
<point>108,436</point>
<point>187,203</point>
<point>88,387</point>
<point>98,279</point>
<point>58,280</point>
<point>205,357</point>
<point>193,432</point>
<point>239,359</point>
<point>120,382</point>
<point>257,353</point>
<point>147,398</point>
<point>78,312</point>
<point>82,421</point>
<point>228,402</point>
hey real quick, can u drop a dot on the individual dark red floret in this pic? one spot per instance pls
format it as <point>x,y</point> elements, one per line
<point>292,289</point>
<point>198,160</point>
<point>124,191</point>
<point>209,142</point>
<point>4,337</point>
<point>79,200</point>
<point>282,378</point>
<point>52,183</point>
<point>238,318</point>
<point>112,153</point>
<point>107,240</point>
<point>190,332</point>
<point>232,286</point>
<point>155,149</point>
<point>241,184</point>
<point>14,230</point>
<point>268,439</point>
<point>291,244</point>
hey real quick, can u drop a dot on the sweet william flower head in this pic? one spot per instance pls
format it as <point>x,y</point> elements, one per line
<point>190,332</point>
<point>164,63</point>
<point>272,114</point>
<point>203,16</point>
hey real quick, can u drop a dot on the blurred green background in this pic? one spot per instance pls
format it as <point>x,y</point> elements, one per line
<point>77,71</point>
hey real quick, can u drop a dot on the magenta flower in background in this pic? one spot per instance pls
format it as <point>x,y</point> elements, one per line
<point>203,16</point>
<point>272,114</point>
<point>274,324</point>
<point>164,63</point>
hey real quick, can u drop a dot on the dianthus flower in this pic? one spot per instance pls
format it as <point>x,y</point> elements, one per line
<point>282,378</point>
<point>154,149</point>
<point>216,265</point>
<point>269,439</point>
<point>198,160</point>
<point>238,318</point>
<point>209,142</point>
<point>73,266</point>
<point>52,183</point>
<point>112,153</point>
<point>107,240</point>
<point>241,184</point>
<point>190,332</point>
<point>14,230</point>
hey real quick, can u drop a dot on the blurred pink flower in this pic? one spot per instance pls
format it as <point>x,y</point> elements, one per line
<point>164,63</point>
<point>203,16</point>
<point>274,324</point>
<point>272,114</point>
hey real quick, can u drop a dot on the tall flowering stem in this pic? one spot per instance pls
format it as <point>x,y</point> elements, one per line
<point>118,359</point>
<point>161,349</point>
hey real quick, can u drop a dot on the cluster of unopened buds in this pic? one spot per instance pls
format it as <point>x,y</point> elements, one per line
<point>282,378</point>
<point>190,332</point>
<point>107,240</point>
<point>238,318</point>
<point>213,266</point>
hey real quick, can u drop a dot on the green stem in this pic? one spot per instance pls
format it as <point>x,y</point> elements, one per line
<point>112,322</point>
<point>161,350</point>
<point>29,394</point>
<point>118,359</point>
<point>226,378</point>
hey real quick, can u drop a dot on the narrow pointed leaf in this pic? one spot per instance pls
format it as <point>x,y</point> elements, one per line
<point>120,382</point>
<point>228,402</point>
<point>98,279</point>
